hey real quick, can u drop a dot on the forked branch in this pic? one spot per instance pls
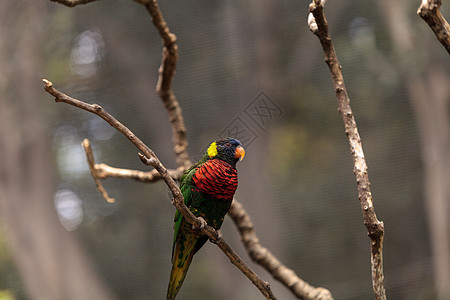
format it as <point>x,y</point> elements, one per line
<point>375,228</point>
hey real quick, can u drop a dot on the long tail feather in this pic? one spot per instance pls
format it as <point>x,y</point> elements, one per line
<point>181,259</point>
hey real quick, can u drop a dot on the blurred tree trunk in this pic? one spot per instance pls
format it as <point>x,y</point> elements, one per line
<point>50,259</point>
<point>429,95</point>
<point>429,98</point>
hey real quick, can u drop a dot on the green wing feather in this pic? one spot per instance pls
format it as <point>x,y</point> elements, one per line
<point>185,183</point>
<point>188,243</point>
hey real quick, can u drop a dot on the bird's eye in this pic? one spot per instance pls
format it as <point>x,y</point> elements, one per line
<point>227,145</point>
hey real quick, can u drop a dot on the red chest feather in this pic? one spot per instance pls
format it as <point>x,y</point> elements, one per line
<point>216,178</point>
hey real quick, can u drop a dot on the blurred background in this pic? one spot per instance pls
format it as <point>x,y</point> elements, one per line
<point>250,69</point>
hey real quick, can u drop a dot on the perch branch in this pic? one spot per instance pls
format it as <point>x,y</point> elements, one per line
<point>374,227</point>
<point>149,157</point>
<point>430,12</point>
<point>266,259</point>
<point>164,85</point>
<point>72,3</point>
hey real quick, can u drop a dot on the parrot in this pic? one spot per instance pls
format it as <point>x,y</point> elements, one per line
<point>208,188</point>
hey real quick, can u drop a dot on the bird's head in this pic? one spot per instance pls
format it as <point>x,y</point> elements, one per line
<point>228,149</point>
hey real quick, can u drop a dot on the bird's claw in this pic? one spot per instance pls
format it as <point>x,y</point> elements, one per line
<point>219,237</point>
<point>203,223</point>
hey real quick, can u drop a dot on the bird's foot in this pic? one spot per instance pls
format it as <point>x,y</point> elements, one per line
<point>219,237</point>
<point>202,225</point>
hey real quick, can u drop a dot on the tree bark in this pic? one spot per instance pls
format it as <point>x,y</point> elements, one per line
<point>430,101</point>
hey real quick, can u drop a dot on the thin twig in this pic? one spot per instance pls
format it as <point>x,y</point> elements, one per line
<point>90,158</point>
<point>430,12</point>
<point>164,85</point>
<point>374,227</point>
<point>104,171</point>
<point>72,3</point>
<point>178,201</point>
<point>266,259</point>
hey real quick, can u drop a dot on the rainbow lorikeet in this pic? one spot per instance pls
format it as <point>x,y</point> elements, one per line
<point>208,188</point>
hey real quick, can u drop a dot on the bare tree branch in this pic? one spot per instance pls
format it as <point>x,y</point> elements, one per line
<point>374,227</point>
<point>90,158</point>
<point>164,85</point>
<point>72,3</point>
<point>99,111</point>
<point>266,259</point>
<point>178,201</point>
<point>430,13</point>
<point>105,171</point>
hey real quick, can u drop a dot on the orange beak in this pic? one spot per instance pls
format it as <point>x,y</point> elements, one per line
<point>239,153</point>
